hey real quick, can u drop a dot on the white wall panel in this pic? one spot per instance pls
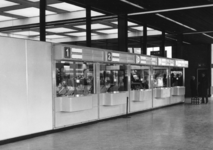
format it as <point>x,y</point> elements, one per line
<point>39,86</point>
<point>13,96</point>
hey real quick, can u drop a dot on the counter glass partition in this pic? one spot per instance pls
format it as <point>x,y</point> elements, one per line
<point>113,78</point>
<point>176,77</point>
<point>140,77</point>
<point>160,77</point>
<point>74,79</point>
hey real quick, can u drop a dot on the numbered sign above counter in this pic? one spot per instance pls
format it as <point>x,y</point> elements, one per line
<point>77,53</point>
<point>115,57</point>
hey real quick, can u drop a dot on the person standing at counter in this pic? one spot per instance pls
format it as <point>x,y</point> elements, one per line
<point>193,87</point>
<point>203,88</point>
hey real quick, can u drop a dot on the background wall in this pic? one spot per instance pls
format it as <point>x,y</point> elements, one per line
<point>199,57</point>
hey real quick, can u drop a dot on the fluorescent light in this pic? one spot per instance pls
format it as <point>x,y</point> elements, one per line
<point>28,12</point>
<point>175,22</point>
<point>4,18</point>
<point>95,13</point>
<point>208,35</point>
<point>67,7</point>
<point>140,28</point>
<point>186,42</point>
<point>129,23</point>
<point>34,0</point>
<point>138,6</point>
<point>54,36</point>
<point>26,33</point>
<point>4,3</point>
<point>108,31</point>
<point>79,34</point>
<point>94,26</point>
<point>60,30</point>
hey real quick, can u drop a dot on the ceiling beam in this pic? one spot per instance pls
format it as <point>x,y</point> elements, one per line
<point>170,9</point>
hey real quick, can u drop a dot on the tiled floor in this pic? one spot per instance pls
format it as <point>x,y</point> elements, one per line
<point>180,127</point>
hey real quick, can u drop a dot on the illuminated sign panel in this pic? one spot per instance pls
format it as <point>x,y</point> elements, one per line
<point>154,61</point>
<point>181,63</point>
<point>163,62</point>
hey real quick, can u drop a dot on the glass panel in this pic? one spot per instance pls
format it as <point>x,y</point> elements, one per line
<point>177,77</point>
<point>113,78</point>
<point>74,79</point>
<point>140,78</point>
<point>160,77</point>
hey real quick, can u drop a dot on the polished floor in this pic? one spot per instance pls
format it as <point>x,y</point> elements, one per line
<point>180,127</point>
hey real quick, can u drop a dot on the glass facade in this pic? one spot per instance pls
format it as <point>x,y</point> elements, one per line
<point>74,79</point>
<point>140,78</point>
<point>113,78</point>
<point>176,76</point>
<point>160,77</point>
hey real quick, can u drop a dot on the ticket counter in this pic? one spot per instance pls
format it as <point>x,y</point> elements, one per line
<point>161,89</point>
<point>177,81</point>
<point>140,85</point>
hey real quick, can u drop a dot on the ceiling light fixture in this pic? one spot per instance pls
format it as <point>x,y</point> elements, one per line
<point>175,22</point>
<point>4,3</point>
<point>208,35</point>
<point>28,12</point>
<point>66,6</point>
<point>186,42</point>
<point>138,6</point>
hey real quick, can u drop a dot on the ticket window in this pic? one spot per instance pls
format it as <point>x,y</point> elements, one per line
<point>160,77</point>
<point>176,77</point>
<point>140,78</point>
<point>113,78</point>
<point>74,79</point>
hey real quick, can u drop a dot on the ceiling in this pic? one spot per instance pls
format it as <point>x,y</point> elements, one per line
<point>66,23</point>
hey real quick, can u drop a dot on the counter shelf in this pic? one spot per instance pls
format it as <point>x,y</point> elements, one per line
<point>141,95</point>
<point>162,93</point>
<point>76,103</point>
<point>111,99</point>
<point>177,90</point>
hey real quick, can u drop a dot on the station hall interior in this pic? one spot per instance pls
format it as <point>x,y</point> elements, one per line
<point>105,74</point>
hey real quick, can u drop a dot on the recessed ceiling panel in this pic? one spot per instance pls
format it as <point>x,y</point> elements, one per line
<point>55,36</point>
<point>26,33</point>
<point>129,23</point>
<point>28,12</point>
<point>94,26</point>
<point>60,30</point>
<point>140,28</point>
<point>4,3</point>
<point>79,34</point>
<point>108,31</point>
<point>95,13</point>
<point>66,6</point>
<point>34,0</point>
<point>4,18</point>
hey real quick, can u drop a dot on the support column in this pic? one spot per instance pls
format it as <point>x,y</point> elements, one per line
<point>42,17</point>
<point>180,46</point>
<point>122,33</point>
<point>88,25</point>
<point>144,44</point>
<point>162,46</point>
